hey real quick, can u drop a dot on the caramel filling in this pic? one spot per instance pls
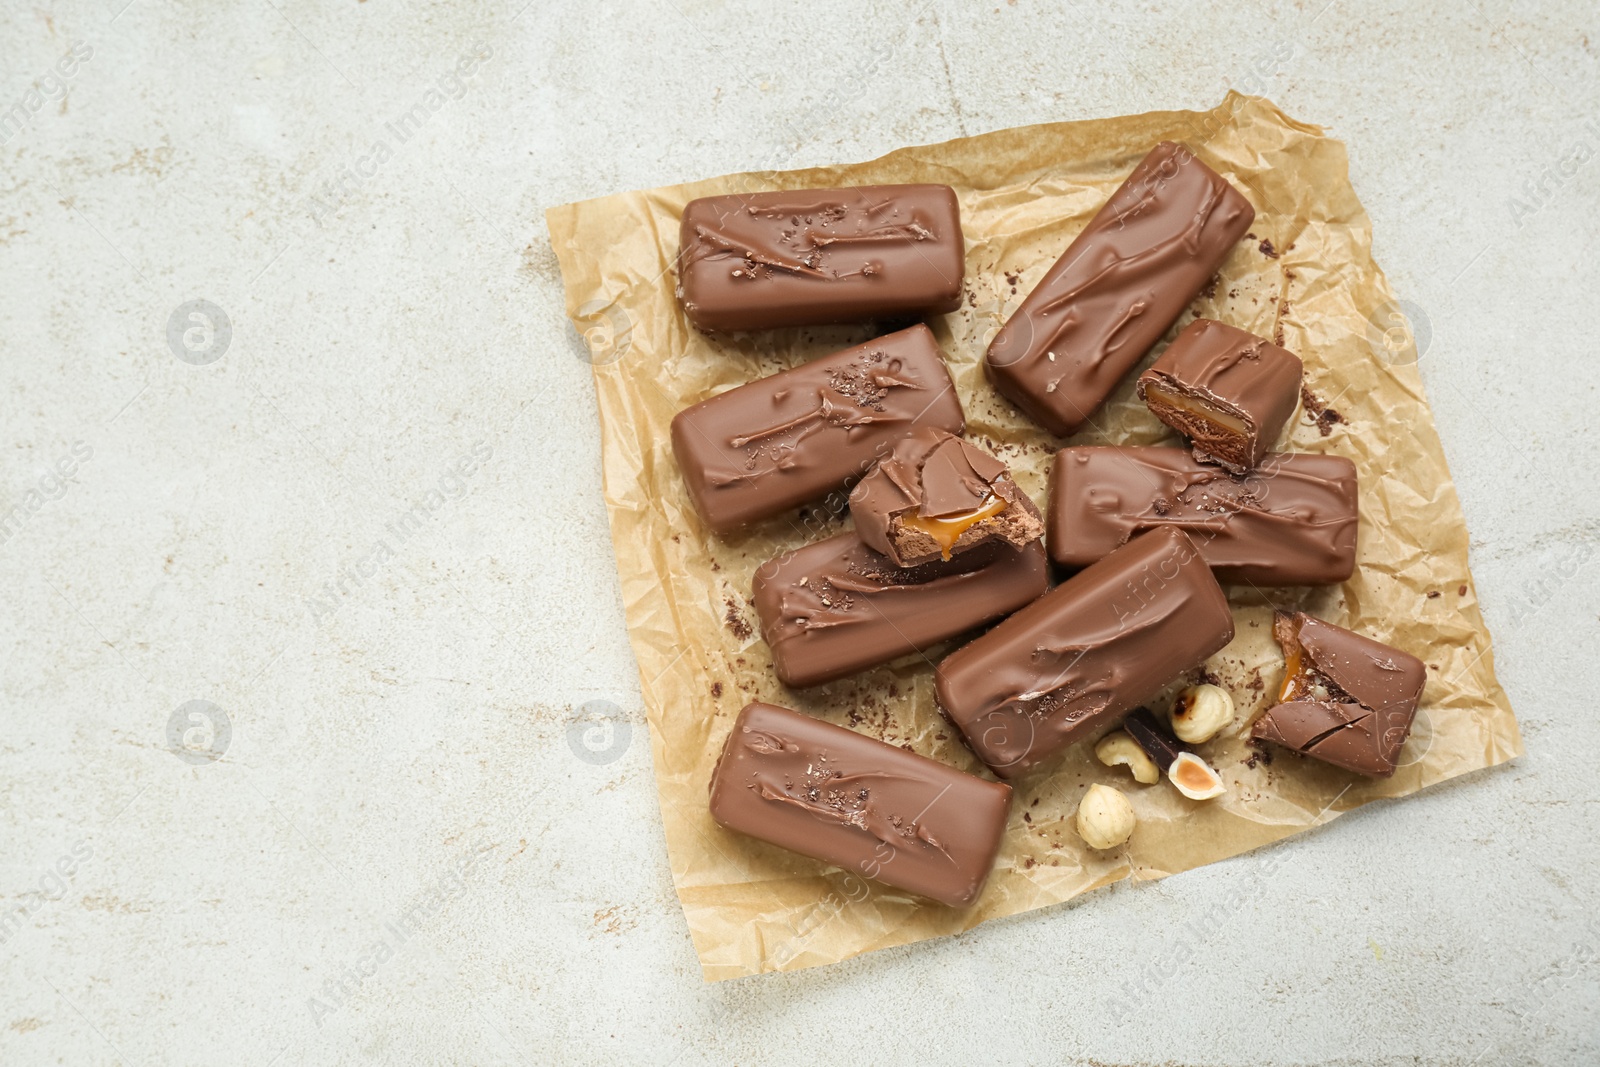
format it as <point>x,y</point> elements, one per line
<point>1291,676</point>
<point>946,532</point>
<point>1200,410</point>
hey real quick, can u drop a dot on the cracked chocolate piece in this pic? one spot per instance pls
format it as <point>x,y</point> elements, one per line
<point>836,607</point>
<point>870,808</point>
<point>1117,289</point>
<point>1075,661</point>
<point>772,444</point>
<point>935,496</point>
<point>1346,699</point>
<point>1292,520</point>
<point>1228,391</point>
<point>810,256</point>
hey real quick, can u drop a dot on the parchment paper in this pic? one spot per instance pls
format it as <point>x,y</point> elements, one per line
<point>1307,278</point>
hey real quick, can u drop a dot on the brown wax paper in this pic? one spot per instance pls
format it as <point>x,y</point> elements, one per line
<point>1304,277</point>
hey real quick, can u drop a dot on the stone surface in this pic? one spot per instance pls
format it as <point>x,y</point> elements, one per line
<point>433,740</point>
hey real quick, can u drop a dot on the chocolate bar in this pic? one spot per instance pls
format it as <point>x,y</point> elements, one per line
<point>936,495</point>
<point>1076,660</point>
<point>1120,285</point>
<point>836,607</point>
<point>1346,699</point>
<point>755,261</point>
<point>1290,521</point>
<point>1230,392</point>
<point>860,804</point>
<point>765,447</point>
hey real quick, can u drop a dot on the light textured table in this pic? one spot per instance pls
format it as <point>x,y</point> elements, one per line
<point>397,650</point>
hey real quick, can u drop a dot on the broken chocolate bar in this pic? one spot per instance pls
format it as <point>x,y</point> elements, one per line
<point>1346,699</point>
<point>935,496</point>
<point>777,442</point>
<point>1120,285</point>
<point>857,803</point>
<point>1290,521</point>
<point>836,607</point>
<point>1076,660</point>
<point>1230,392</point>
<point>811,256</point>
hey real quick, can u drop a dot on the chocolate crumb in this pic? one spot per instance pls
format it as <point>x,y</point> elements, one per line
<point>1267,249</point>
<point>1210,291</point>
<point>1321,414</point>
<point>1030,863</point>
<point>1433,594</point>
<point>1027,816</point>
<point>716,689</point>
<point>1462,591</point>
<point>735,620</point>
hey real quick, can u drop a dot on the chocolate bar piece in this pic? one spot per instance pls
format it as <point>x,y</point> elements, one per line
<point>755,261</point>
<point>1346,699</point>
<point>836,607</point>
<point>1119,286</point>
<point>1230,392</point>
<point>777,442</point>
<point>936,495</point>
<point>857,803</point>
<point>1076,660</point>
<point>1290,521</point>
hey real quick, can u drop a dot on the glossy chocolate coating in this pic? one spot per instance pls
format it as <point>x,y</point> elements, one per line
<point>1290,521</point>
<point>777,442</point>
<point>1237,373</point>
<point>937,475</point>
<point>868,807</point>
<point>836,607</point>
<point>1072,663</point>
<point>1120,285</point>
<point>755,261</point>
<point>1353,699</point>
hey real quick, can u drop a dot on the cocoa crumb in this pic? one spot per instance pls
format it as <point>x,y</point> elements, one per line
<point>1321,414</point>
<point>1027,816</point>
<point>1462,591</point>
<point>1030,862</point>
<point>1433,594</point>
<point>1249,237</point>
<point>735,620</point>
<point>716,689</point>
<point>1267,249</point>
<point>1210,291</point>
<point>941,736</point>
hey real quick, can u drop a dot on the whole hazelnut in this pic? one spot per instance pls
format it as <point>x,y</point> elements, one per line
<point>1200,713</point>
<point>1105,817</point>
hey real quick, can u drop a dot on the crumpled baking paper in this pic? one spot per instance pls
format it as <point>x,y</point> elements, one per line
<point>1306,278</point>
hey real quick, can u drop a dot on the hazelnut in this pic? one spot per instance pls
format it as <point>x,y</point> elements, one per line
<point>1119,749</point>
<point>1105,818</point>
<point>1200,713</point>
<point>1195,779</point>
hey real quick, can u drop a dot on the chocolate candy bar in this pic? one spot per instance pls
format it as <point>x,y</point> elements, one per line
<point>936,495</point>
<point>836,607</point>
<point>1076,660</point>
<point>755,261</point>
<point>855,802</point>
<point>1346,699</point>
<point>1290,521</point>
<point>1119,286</point>
<point>767,446</point>
<point>1229,391</point>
